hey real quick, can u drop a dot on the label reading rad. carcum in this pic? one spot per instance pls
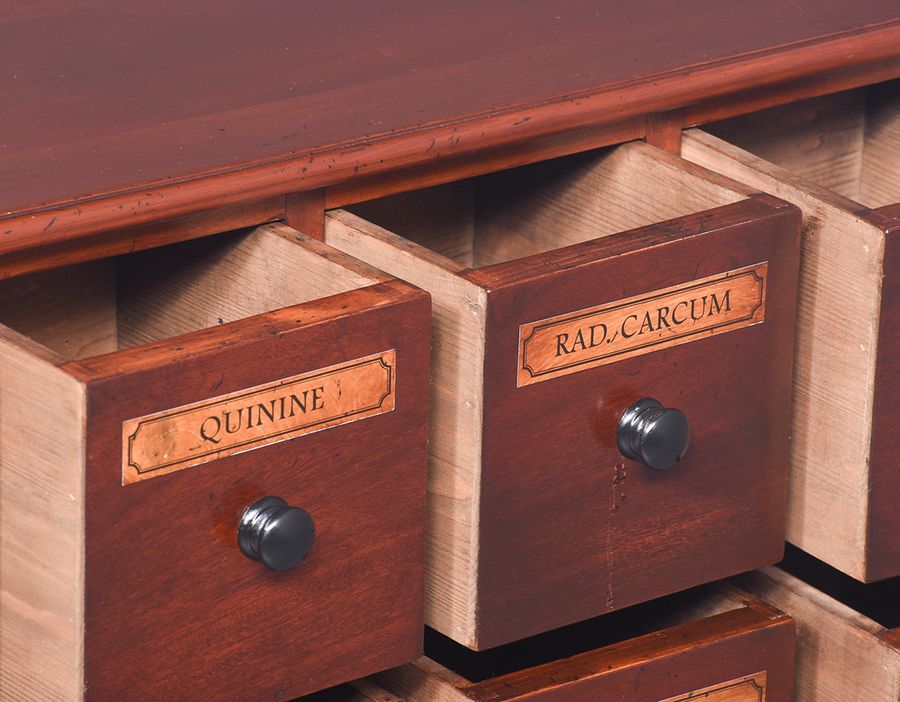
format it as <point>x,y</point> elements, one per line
<point>221,426</point>
<point>637,325</point>
<point>751,688</point>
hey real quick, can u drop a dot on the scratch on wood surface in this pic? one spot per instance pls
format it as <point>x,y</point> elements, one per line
<point>617,496</point>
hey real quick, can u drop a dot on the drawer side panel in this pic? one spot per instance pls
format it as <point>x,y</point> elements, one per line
<point>42,417</point>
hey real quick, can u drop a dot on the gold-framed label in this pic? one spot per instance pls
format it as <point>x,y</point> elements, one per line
<point>190,435</point>
<point>576,341</point>
<point>751,688</point>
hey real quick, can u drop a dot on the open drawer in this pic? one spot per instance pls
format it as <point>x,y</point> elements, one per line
<point>716,644</point>
<point>593,316</point>
<point>838,158</point>
<point>848,633</point>
<point>147,402</point>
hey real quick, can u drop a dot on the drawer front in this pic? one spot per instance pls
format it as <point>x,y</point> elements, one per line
<point>181,439</point>
<point>729,666</point>
<point>740,655</point>
<point>569,528</point>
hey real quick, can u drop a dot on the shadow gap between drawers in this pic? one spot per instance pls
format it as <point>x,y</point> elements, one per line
<point>478,666</point>
<point>878,601</point>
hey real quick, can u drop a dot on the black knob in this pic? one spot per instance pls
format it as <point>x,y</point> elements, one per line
<point>652,434</point>
<point>276,534</point>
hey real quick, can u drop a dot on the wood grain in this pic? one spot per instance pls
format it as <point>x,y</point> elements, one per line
<point>111,594</point>
<point>455,168</point>
<point>305,212</point>
<point>178,289</point>
<point>42,514</point>
<point>440,219</point>
<point>659,129</point>
<point>841,654</point>
<point>490,583</point>
<point>457,362</point>
<point>818,140</point>
<point>840,295</point>
<point>880,171</point>
<point>690,656</point>
<point>299,110</point>
<point>103,245</point>
<point>820,154</point>
<point>664,131</point>
<point>587,527</point>
<point>569,201</point>
<point>71,311</point>
<point>883,527</point>
<point>208,596</point>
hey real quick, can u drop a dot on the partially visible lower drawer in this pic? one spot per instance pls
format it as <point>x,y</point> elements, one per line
<point>848,634</point>
<point>147,402</point>
<point>613,338</point>
<point>718,645</point>
<point>838,158</point>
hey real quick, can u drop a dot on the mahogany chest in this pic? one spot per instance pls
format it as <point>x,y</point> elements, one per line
<point>335,333</point>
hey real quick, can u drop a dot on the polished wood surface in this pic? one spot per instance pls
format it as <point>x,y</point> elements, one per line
<point>143,236</point>
<point>129,127</point>
<point>187,585</point>
<point>595,532</point>
<point>118,115</point>
<point>456,168</point>
<point>305,212</point>
<point>527,245</point>
<point>141,590</point>
<point>719,644</point>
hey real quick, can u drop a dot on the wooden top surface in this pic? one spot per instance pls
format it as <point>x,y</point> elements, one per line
<point>117,113</point>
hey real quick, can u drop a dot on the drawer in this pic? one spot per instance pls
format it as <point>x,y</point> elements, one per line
<point>838,158</point>
<point>718,645</point>
<point>848,633</point>
<point>563,295</point>
<point>147,402</point>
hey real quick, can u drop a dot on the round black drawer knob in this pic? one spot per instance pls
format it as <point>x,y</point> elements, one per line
<point>652,434</point>
<point>276,534</point>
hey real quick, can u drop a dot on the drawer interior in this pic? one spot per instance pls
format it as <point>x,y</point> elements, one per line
<point>848,142</point>
<point>111,304</point>
<point>533,209</point>
<point>584,637</point>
